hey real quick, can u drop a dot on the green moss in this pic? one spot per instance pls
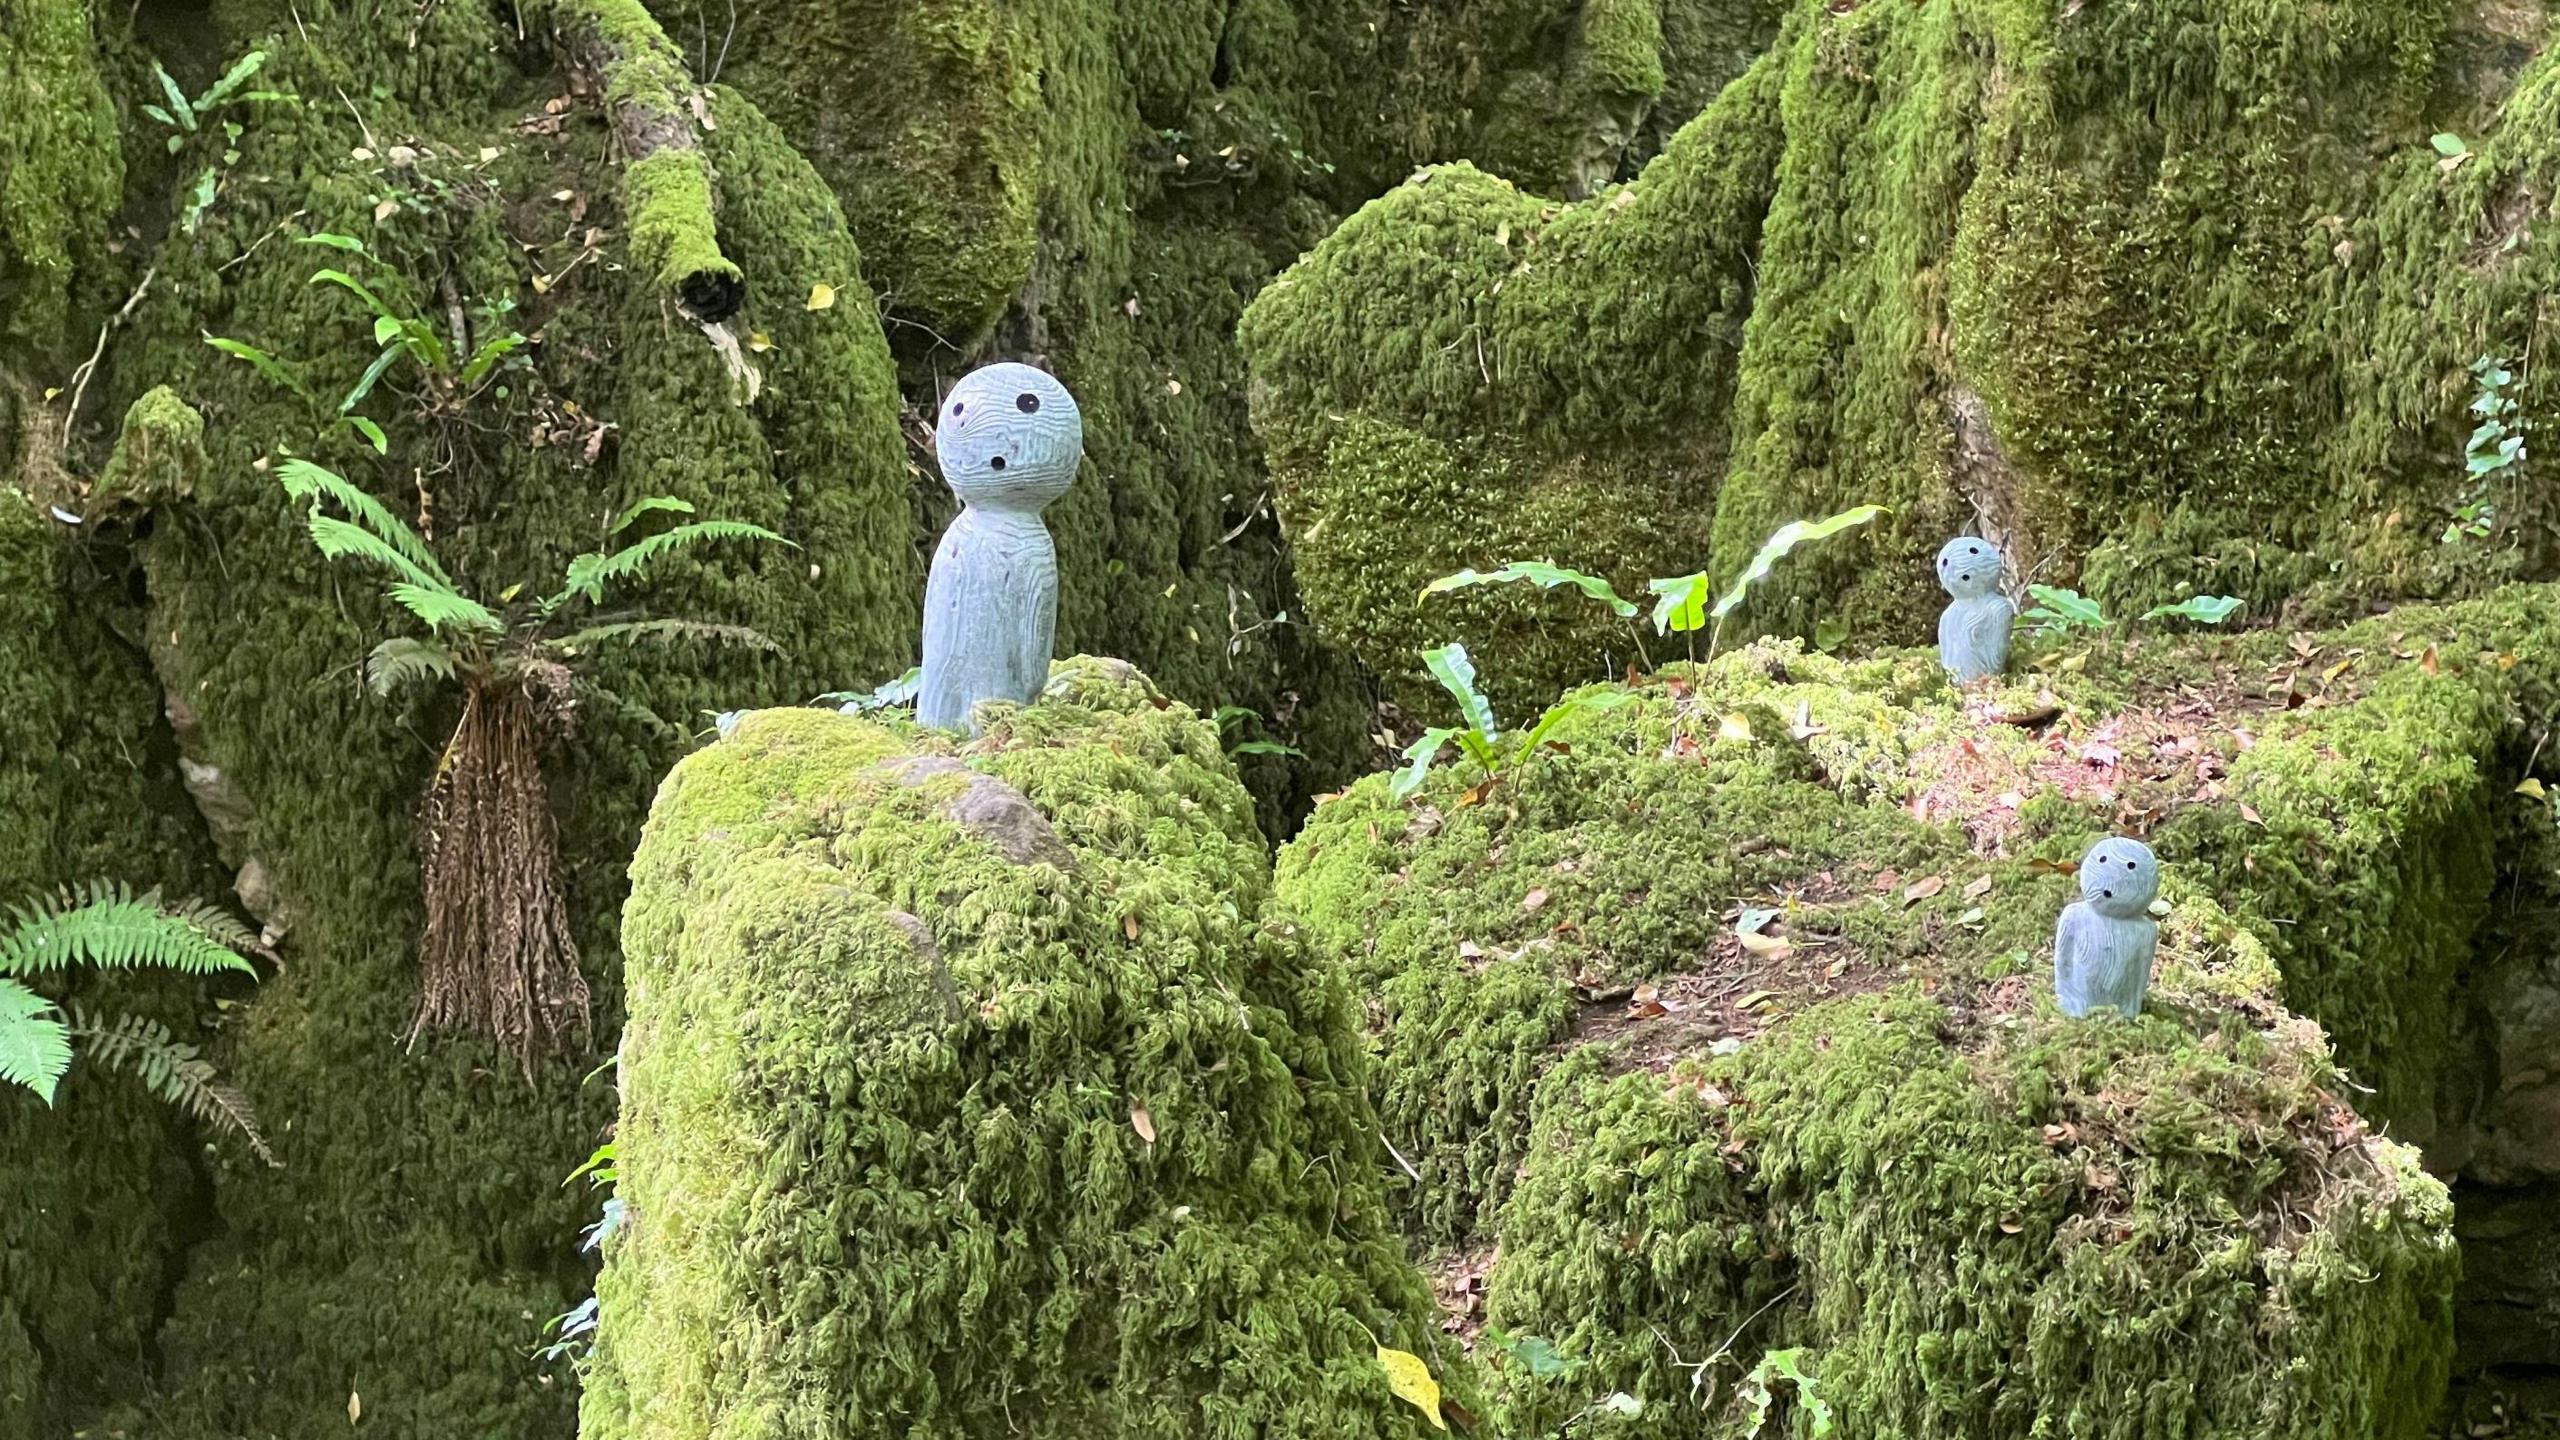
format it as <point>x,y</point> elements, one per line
<point>1978,1216</point>
<point>1994,1238</point>
<point>61,167</point>
<point>673,237</point>
<point>33,696</point>
<point>966,1096</point>
<point>418,1236</point>
<point>159,453</point>
<point>2158,311</point>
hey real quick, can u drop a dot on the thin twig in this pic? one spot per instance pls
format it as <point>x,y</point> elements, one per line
<point>89,368</point>
<point>714,77</point>
<point>1400,1160</point>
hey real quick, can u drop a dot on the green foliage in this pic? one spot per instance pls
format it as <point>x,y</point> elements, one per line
<point>1682,604</point>
<point>1247,722</point>
<point>2496,446</point>
<point>186,119</point>
<point>2058,611</point>
<point>1480,737</point>
<point>1546,575</point>
<point>474,642</point>
<point>1758,1391</point>
<point>107,926</point>
<point>447,388</point>
<point>2202,609</point>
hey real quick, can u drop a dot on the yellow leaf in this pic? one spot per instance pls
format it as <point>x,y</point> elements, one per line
<point>2529,786</point>
<point>355,1407</point>
<point>2330,675</point>
<point>1736,726</point>
<point>758,341</point>
<point>1142,1122</point>
<point>822,296</point>
<point>51,391</point>
<point>488,153</point>
<point>1412,1382</point>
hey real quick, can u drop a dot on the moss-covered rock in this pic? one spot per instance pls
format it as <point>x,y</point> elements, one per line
<point>1730,1024</point>
<point>61,166</point>
<point>418,1237</point>
<point>2162,313</point>
<point>965,1092</point>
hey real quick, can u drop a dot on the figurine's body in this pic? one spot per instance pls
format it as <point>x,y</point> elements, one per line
<point>1973,632</point>
<point>1009,439</point>
<point>2102,949</point>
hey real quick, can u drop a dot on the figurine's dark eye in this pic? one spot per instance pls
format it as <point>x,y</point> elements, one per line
<point>1026,402</point>
<point>2106,894</point>
<point>957,407</point>
<point>996,464</point>
<point>1973,549</point>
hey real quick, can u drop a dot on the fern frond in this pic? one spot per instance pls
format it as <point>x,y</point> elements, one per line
<point>305,481</point>
<point>145,1050</point>
<point>654,505</point>
<point>402,660</point>
<point>112,928</point>
<point>666,632</point>
<point>338,539</point>
<point>591,572</point>
<point>35,1046</point>
<point>440,608</point>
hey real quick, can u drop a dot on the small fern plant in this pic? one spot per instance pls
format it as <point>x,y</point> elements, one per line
<point>496,956</point>
<point>109,927</point>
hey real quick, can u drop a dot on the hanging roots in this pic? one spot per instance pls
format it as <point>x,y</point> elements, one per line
<point>497,956</point>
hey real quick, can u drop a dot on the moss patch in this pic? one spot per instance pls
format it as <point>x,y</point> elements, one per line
<point>967,1090</point>
<point>2161,313</point>
<point>1865,1114</point>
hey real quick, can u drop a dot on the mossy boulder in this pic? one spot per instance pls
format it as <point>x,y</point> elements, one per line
<point>2101,281</point>
<point>1729,1023</point>
<point>965,1092</point>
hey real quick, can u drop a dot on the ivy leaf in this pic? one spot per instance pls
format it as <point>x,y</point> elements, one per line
<point>1412,1382</point>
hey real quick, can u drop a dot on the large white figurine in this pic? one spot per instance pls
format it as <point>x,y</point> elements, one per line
<point>1009,439</point>
<point>1973,632</point>
<point>2102,949</point>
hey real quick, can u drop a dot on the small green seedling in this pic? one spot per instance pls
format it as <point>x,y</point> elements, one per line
<point>1680,605</point>
<point>1481,738</point>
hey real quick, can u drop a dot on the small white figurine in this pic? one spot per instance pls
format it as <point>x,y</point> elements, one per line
<point>2102,949</point>
<point>1009,439</point>
<point>1973,632</point>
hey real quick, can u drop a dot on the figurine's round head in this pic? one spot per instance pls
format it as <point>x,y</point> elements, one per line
<point>1009,437</point>
<point>2119,878</point>
<point>1969,567</point>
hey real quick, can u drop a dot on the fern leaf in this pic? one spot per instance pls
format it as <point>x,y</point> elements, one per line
<point>640,717</point>
<point>655,504</point>
<point>303,480</point>
<point>403,660</point>
<point>338,539</point>
<point>666,632</point>
<point>171,1070</point>
<point>35,1046</point>
<point>112,928</point>
<point>590,573</point>
<point>441,608</point>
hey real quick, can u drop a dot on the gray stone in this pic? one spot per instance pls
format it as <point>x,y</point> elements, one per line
<point>2102,949</point>
<point>1009,439</point>
<point>1004,816</point>
<point>1973,632</point>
